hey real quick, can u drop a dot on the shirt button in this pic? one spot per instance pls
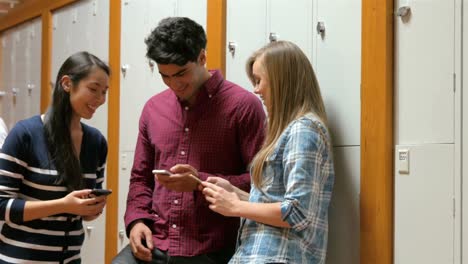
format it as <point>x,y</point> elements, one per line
<point>209,95</point>
<point>174,226</point>
<point>186,129</point>
<point>156,215</point>
<point>182,153</point>
<point>186,108</point>
<point>176,202</point>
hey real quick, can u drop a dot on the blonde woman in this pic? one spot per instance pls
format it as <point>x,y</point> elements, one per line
<point>285,215</point>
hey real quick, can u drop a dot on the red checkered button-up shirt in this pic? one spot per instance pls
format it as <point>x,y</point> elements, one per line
<point>219,135</point>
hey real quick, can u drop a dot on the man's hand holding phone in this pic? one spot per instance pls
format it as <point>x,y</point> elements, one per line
<point>180,178</point>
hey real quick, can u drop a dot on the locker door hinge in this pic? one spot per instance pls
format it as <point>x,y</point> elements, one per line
<point>453,206</point>
<point>454,82</point>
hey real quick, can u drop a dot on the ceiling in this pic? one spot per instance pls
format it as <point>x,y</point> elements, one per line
<point>7,5</point>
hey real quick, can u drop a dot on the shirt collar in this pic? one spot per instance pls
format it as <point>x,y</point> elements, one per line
<point>213,84</point>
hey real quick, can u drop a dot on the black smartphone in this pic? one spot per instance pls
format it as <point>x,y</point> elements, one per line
<point>99,192</point>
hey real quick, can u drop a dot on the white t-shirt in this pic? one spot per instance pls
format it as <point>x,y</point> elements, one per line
<point>3,132</point>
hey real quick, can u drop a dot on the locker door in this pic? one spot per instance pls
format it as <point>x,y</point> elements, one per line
<point>61,38</point>
<point>135,89</point>
<point>34,84</point>
<point>8,63</point>
<point>464,140</point>
<point>344,225</point>
<point>138,81</point>
<point>21,71</point>
<point>424,69</point>
<point>294,25</point>
<point>31,100</point>
<point>12,83</point>
<point>2,75</point>
<point>246,31</point>
<point>154,83</point>
<point>338,64</point>
<point>196,10</point>
<point>125,164</point>
<point>424,203</point>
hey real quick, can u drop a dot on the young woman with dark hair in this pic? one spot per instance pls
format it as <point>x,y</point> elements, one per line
<point>48,166</point>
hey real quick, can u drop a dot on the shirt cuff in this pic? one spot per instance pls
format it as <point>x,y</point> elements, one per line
<point>130,222</point>
<point>292,214</point>
<point>16,211</point>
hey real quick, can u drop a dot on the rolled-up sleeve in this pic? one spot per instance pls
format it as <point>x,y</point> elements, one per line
<point>304,175</point>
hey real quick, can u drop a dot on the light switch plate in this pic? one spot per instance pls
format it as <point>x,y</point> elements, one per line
<point>403,161</point>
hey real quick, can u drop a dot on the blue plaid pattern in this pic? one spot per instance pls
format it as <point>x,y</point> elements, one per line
<point>299,174</point>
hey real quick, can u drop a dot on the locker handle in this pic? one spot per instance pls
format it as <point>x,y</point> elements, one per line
<point>151,65</point>
<point>403,11</point>
<point>30,88</point>
<point>232,45</point>
<point>321,27</point>
<point>273,37</point>
<point>89,229</point>
<point>124,69</point>
<point>121,234</point>
<point>14,91</point>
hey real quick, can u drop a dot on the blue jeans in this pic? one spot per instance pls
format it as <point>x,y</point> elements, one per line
<point>125,256</point>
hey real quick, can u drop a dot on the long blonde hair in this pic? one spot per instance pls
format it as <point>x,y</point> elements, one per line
<point>294,91</point>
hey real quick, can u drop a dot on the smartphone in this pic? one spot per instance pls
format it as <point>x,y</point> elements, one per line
<point>168,173</point>
<point>163,172</point>
<point>99,192</point>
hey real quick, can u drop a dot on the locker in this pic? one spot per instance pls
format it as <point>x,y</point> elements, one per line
<point>7,72</point>
<point>464,140</point>
<point>32,80</point>
<point>20,100</point>
<point>337,64</point>
<point>266,21</point>
<point>126,162</point>
<point>424,73</point>
<point>294,25</point>
<point>344,225</point>
<point>21,72</point>
<point>242,15</point>
<point>2,74</point>
<point>424,205</point>
<point>196,10</point>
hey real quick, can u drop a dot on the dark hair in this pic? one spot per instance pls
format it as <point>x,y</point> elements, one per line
<point>176,40</point>
<point>58,118</point>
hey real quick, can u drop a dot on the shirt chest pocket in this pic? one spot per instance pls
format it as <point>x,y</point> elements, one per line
<point>273,169</point>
